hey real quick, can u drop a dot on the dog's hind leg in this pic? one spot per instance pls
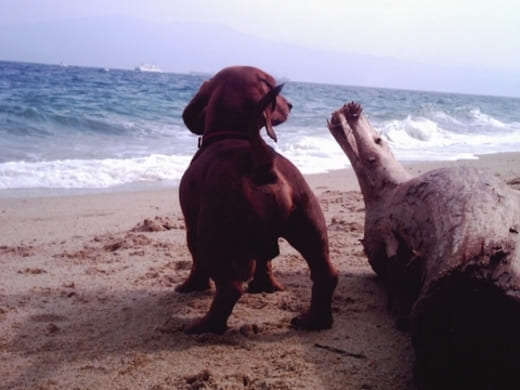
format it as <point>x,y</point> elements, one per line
<point>215,321</point>
<point>309,236</point>
<point>263,279</point>
<point>198,280</point>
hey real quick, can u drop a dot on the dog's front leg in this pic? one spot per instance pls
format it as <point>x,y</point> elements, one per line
<point>264,280</point>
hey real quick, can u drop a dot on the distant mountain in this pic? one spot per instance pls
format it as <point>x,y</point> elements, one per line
<point>123,42</point>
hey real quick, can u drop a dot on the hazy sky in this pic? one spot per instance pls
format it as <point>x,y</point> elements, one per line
<point>484,33</point>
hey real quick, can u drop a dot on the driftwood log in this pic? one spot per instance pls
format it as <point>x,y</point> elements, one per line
<point>447,246</point>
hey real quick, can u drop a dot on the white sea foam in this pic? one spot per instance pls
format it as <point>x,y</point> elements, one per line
<point>413,133</point>
<point>424,139</point>
<point>314,154</point>
<point>91,174</point>
<point>411,139</point>
<point>486,120</point>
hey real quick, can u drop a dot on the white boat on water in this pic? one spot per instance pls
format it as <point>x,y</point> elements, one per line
<point>148,68</point>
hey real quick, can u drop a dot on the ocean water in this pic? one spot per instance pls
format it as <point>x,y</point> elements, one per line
<point>73,128</point>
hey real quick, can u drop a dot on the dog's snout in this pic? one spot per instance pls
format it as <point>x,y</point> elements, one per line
<point>290,106</point>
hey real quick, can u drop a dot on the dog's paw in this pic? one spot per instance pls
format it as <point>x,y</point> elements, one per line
<point>309,321</point>
<point>193,285</point>
<point>205,325</point>
<point>268,286</point>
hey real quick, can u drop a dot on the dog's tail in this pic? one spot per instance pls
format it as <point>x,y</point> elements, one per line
<point>263,155</point>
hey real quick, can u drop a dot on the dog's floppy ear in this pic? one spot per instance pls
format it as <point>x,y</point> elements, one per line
<point>194,115</point>
<point>263,109</point>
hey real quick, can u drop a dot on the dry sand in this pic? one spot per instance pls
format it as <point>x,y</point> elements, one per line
<point>87,300</point>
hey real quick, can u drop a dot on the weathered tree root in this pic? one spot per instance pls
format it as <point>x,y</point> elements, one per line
<point>447,246</point>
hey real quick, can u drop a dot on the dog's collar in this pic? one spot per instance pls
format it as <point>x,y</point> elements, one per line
<point>208,139</point>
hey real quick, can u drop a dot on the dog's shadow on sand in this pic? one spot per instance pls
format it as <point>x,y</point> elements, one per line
<point>80,329</point>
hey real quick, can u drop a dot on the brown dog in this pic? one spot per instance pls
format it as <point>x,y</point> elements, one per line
<point>239,196</point>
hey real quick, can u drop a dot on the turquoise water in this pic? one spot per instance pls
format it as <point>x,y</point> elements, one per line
<point>87,128</point>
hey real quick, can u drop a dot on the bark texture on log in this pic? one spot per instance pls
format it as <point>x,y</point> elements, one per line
<point>447,245</point>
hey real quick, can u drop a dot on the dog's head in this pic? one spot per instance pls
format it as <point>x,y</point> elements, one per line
<point>227,101</point>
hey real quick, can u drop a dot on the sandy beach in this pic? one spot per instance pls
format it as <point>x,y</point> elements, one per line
<point>87,299</point>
